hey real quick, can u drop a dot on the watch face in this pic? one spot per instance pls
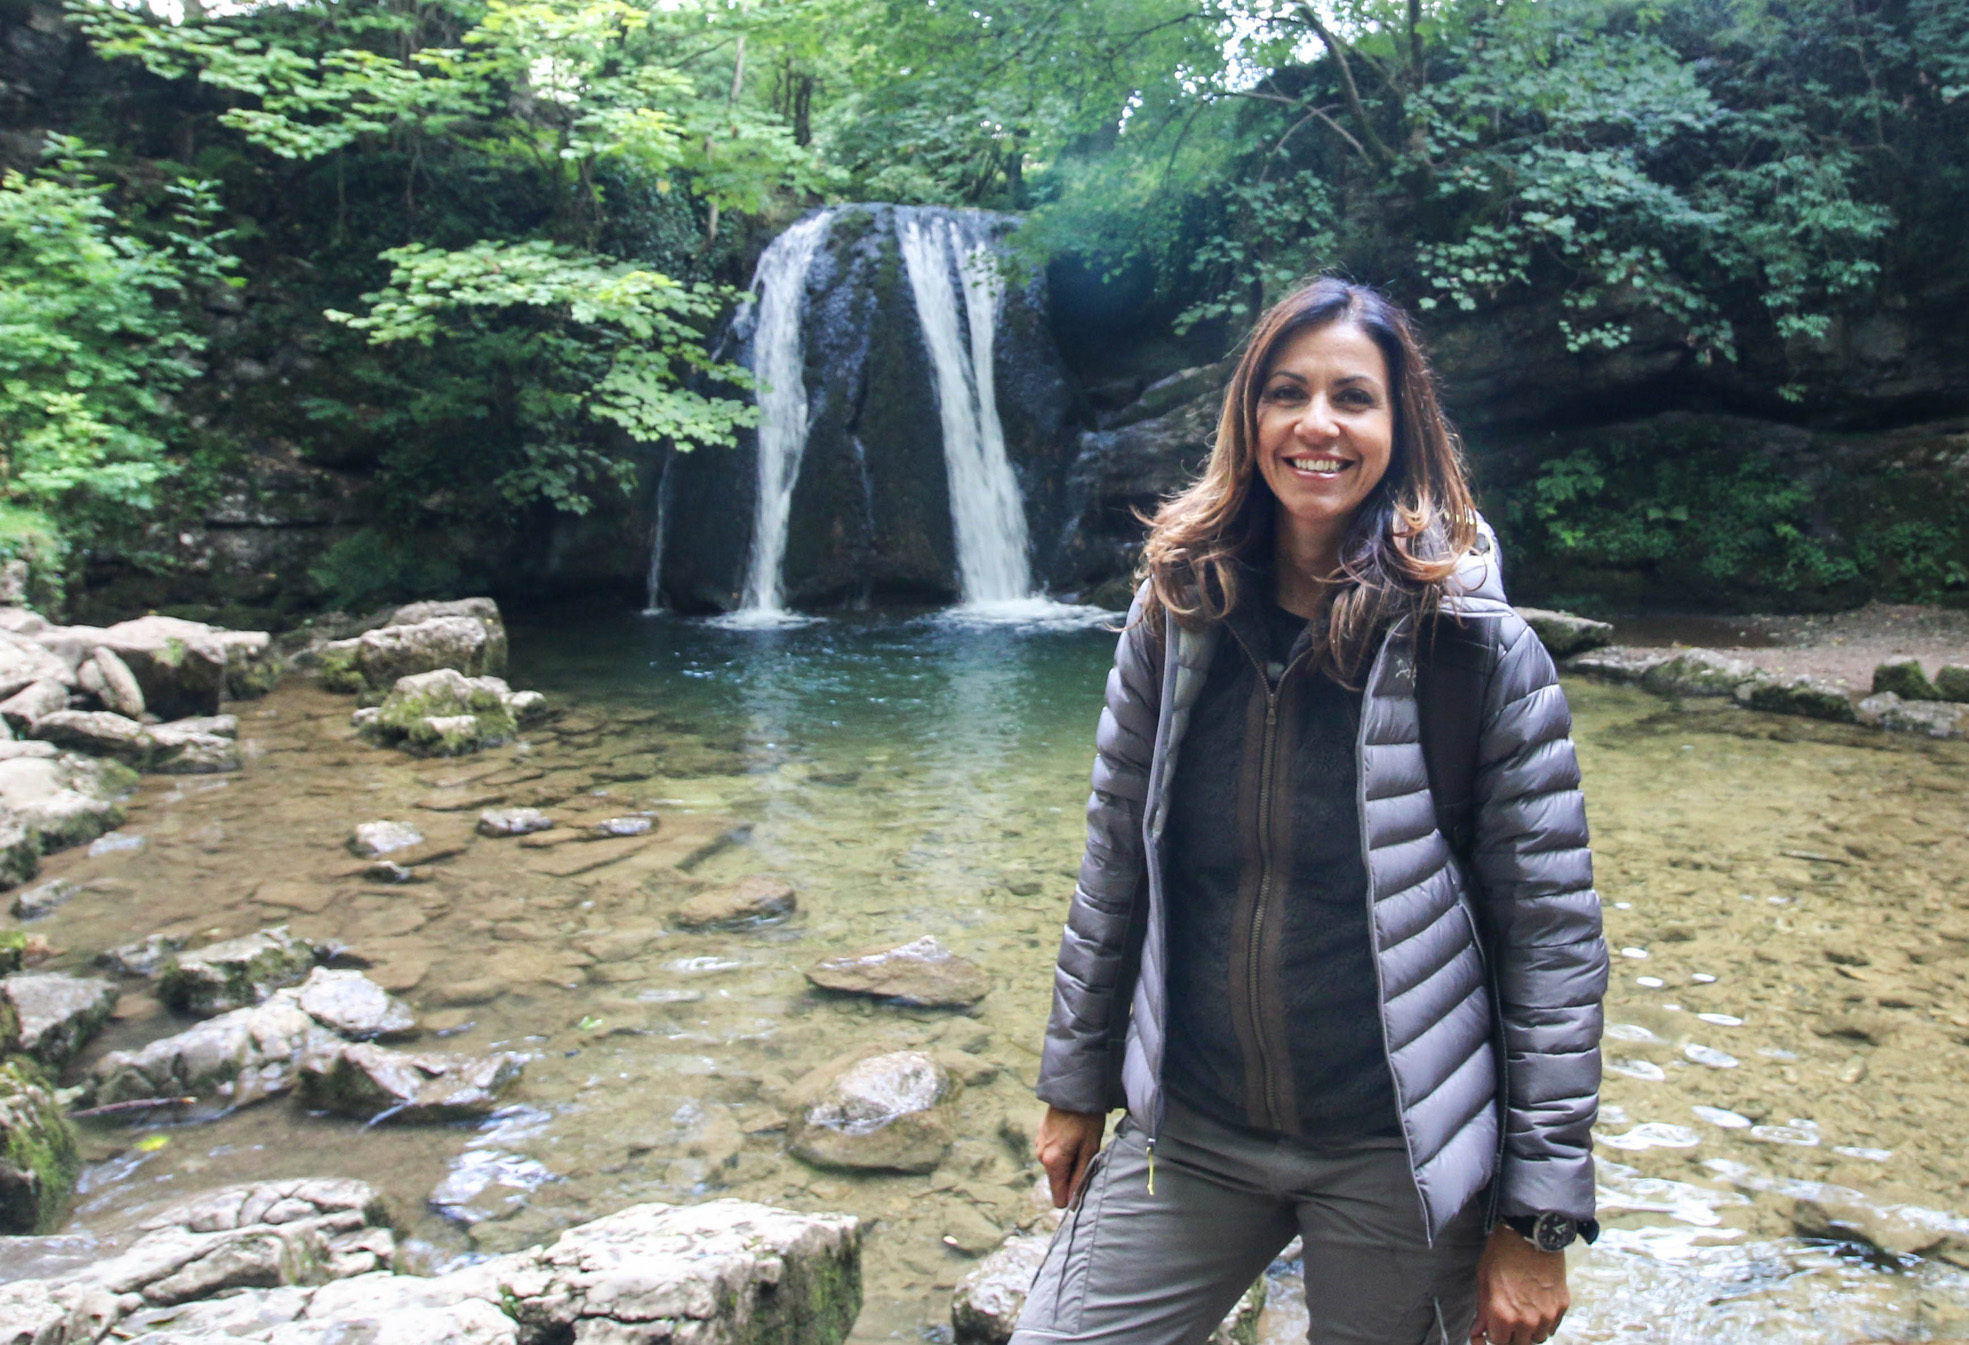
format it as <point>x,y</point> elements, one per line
<point>1554,1232</point>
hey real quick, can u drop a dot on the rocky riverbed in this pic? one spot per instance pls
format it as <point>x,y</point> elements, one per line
<point>798,882</point>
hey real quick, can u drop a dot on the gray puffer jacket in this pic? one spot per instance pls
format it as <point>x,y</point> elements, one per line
<point>1492,1037</point>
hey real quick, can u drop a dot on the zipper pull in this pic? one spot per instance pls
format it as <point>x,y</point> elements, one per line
<point>1271,712</point>
<point>1151,1167</point>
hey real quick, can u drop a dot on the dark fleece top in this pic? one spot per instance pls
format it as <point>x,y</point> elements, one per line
<point>1274,1009</point>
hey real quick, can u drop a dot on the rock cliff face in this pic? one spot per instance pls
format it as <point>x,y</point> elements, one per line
<point>871,515</point>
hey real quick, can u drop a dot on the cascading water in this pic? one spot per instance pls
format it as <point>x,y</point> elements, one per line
<point>778,363</point>
<point>986,511</point>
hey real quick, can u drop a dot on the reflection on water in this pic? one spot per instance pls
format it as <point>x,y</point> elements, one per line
<point>1786,1025</point>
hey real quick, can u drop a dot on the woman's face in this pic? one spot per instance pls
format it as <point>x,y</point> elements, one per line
<point>1326,425</point>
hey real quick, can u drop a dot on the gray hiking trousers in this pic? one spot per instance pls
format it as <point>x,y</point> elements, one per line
<point>1131,1268</point>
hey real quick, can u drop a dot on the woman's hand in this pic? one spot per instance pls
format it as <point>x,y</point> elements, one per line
<point>1067,1143</point>
<point>1521,1291</point>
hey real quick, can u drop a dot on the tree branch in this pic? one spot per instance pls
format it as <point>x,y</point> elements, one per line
<point>1376,149</point>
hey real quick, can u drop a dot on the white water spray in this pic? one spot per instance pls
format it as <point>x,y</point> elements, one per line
<point>986,512</point>
<point>778,363</point>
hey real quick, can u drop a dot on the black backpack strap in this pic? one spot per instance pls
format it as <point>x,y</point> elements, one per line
<point>1452,665</point>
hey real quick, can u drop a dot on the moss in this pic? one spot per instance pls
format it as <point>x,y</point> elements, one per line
<point>433,720</point>
<point>251,678</point>
<point>339,671</point>
<point>38,1154</point>
<point>13,950</point>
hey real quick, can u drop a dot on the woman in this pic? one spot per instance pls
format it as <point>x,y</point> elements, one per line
<point>1335,944</point>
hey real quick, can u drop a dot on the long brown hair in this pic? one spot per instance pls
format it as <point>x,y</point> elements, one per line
<point>1402,543</point>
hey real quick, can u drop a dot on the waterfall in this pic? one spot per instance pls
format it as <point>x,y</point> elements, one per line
<point>778,364</point>
<point>659,533</point>
<point>986,512</point>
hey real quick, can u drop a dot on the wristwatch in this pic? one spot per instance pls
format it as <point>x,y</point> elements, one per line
<point>1551,1232</point>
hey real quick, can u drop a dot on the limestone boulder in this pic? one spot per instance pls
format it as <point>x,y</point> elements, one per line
<point>33,702</point>
<point>460,643</point>
<point>921,972</point>
<point>205,745</point>
<point>1932,718</point>
<point>1563,633</point>
<point>140,957</point>
<point>889,1112</point>
<point>20,861</point>
<point>25,661</point>
<point>373,1082</point>
<point>353,1006</point>
<point>1617,663</point>
<point>443,713</point>
<point>1700,672</point>
<point>1805,694</point>
<point>48,1312</point>
<point>100,733</point>
<point>53,1015</point>
<point>234,973</point>
<point>38,1156</point>
<point>483,610</point>
<point>117,685</point>
<point>253,665</point>
<point>181,665</point>
<point>1903,677</point>
<point>236,1059</point>
<point>750,901</point>
<point>66,798</point>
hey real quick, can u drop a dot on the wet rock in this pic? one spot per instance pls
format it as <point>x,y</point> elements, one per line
<point>234,973</point>
<point>67,799</point>
<point>750,901</point>
<point>1935,719</point>
<point>237,1058</point>
<point>1951,683</point>
<point>53,1015</point>
<point>253,666</point>
<point>527,707</point>
<point>1618,663</point>
<point>1563,633</point>
<point>20,861</point>
<point>483,610</point>
<point>986,1306</point>
<point>97,732</point>
<point>34,702</point>
<point>45,1312</point>
<point>373,840</point>
<point>353,1006</point>
<point>143,957</point>
<point>368,1081</point>
<point>624,826</point>
<point>269,1234</point>
<point>921,972</point>
<point>460,643</point>
<point>119,690</point>
<point>389,871</point>
<point>1700,672</point>
<point>181,665</point>
<point>444,713</point>
<point>513,821</point>
<point>335,661</point>
<point>39,901</point>
<point>1903,677</point>
<point>884,1112</point>
<point>1844,1215</point>
<point>38,1158</point>
<point>13,950</point>
<point>1807,695</point>
<point>192,747</point>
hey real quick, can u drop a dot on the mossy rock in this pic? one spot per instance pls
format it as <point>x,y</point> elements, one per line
<point>444,713</point>
<point>1903,677</point>
<point>39,1159</point>
<point>13,950</point>
<point>249,678</point>
<point>338,667</point>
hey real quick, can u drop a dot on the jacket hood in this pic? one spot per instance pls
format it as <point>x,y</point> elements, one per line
<point>1480,574</point>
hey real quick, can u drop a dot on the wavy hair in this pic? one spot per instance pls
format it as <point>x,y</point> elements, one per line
<point>1404,540</point>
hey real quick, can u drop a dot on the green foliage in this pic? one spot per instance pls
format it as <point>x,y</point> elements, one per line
<point>371,567</point>
<point>92,346</point>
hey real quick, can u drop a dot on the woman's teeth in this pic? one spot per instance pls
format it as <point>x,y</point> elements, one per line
<point>1321,466</point>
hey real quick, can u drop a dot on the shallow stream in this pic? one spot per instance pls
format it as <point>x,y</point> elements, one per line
<point>1785,900</point>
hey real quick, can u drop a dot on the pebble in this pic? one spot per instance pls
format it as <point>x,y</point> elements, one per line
<point>1710,1056</point>
<point>1791,1134</point>
<point>1650,982</point>
<point>1722,1116</point>
<point>1638,1069</point>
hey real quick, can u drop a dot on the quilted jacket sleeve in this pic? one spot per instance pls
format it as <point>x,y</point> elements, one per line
<point>1094,976</point>
<point>1543,927</point>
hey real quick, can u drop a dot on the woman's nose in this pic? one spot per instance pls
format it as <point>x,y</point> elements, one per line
<point>1317,422</point>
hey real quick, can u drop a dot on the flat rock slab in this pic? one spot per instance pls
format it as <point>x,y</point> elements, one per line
<point>887,1112</point>
<point>921,972</point>
<point>568,860</point>
<point>1933,719</point>
<point>55,1015</point>
<point>513,821</point>
<point>353,1006</point>
<point>750,901</point>
<point>1563,633</point>
<point>237,1059</point>
<point>234,973</point>
<point>372,1082</point>
<point>67,799</point>
<point>142,957</point>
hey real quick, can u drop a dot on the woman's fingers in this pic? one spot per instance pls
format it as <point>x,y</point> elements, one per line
<point>1066,1144</point>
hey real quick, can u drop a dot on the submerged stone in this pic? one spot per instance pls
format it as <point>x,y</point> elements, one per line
<point>371,1082</point>
<point>54,1015</point>
<point>38,1157</point>
<point>753,900</point>
<point>1935,719</point>
<point>921,972</point>
<point>513,821</point>
<point>373,840</point>
<point>142,957</point>
<point>234,973</point>
<point>883,1112</point>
